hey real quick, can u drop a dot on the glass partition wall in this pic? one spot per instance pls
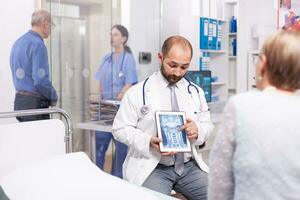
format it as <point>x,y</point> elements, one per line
<point>78,42</point>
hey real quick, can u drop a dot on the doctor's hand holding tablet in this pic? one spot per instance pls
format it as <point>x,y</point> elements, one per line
<point>175,133</point>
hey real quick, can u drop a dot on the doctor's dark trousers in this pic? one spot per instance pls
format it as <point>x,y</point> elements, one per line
<point>102,142</point>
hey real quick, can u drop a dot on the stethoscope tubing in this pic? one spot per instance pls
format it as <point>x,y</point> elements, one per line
<point>122,61</point>
<point>188,88</point>
<point>144,101</point>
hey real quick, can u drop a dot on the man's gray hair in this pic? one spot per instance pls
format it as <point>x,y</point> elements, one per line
<point>40,16</point>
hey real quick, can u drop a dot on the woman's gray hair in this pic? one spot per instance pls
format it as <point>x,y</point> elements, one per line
<point>40,16</point>
<point>283,60</point>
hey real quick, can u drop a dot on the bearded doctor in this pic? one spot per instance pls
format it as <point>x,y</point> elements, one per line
<point>135,126</point>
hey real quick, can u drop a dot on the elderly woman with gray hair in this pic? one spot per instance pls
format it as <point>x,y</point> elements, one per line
<point>256,151</point>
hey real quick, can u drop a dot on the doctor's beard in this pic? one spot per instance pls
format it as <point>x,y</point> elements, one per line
<point>172,79</point>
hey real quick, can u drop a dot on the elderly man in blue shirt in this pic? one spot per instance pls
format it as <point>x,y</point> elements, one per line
<point>30,68</point>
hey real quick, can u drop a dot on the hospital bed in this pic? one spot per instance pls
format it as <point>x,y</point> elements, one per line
<point>37,163</point>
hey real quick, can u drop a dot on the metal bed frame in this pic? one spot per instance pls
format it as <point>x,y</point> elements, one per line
<point>68,122</point>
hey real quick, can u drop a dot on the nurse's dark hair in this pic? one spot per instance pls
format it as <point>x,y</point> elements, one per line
<point>175,40</point>
<point>124,33</point>
<point>283,60</point>
<point>40,16</point>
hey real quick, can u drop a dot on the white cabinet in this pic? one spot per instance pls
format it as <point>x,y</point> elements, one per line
<point>230,11</point>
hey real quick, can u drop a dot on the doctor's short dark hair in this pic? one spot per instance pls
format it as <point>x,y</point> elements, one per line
<point>282,51</point>
<point>178,40</point>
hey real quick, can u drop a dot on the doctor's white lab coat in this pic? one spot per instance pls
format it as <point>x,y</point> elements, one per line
<point>135,129</point>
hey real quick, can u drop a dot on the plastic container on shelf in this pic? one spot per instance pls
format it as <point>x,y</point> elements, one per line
<point>230,50</point>
<point>233,25</point>
<point>204,62</point>
<point>232,47</point>
<point>214,78</point>
<point>234,44</point>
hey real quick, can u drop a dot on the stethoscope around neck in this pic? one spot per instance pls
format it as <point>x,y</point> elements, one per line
<point>145,109</point>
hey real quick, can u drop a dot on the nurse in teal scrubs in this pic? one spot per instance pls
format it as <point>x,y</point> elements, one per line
<point>116,74</point>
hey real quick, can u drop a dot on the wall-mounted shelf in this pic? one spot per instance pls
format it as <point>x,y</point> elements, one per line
<point>213,51</point>
<point>218,83</point>
<point>254,52</point>
<point>230,10</point>
<point>230,2</point>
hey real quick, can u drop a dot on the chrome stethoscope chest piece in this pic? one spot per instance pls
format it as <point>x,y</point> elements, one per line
<point>144,110</point>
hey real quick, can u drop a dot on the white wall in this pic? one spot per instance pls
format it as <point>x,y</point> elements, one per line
<point>14,21</point>
<point>144,33</point>
<point>250,15</point>
<point>174,11</point>
<point>181,17</point>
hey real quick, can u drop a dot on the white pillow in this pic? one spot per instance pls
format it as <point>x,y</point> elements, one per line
<point>71,176</point>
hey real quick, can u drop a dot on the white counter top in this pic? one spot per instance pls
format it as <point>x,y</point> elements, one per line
<point>94,126</point>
